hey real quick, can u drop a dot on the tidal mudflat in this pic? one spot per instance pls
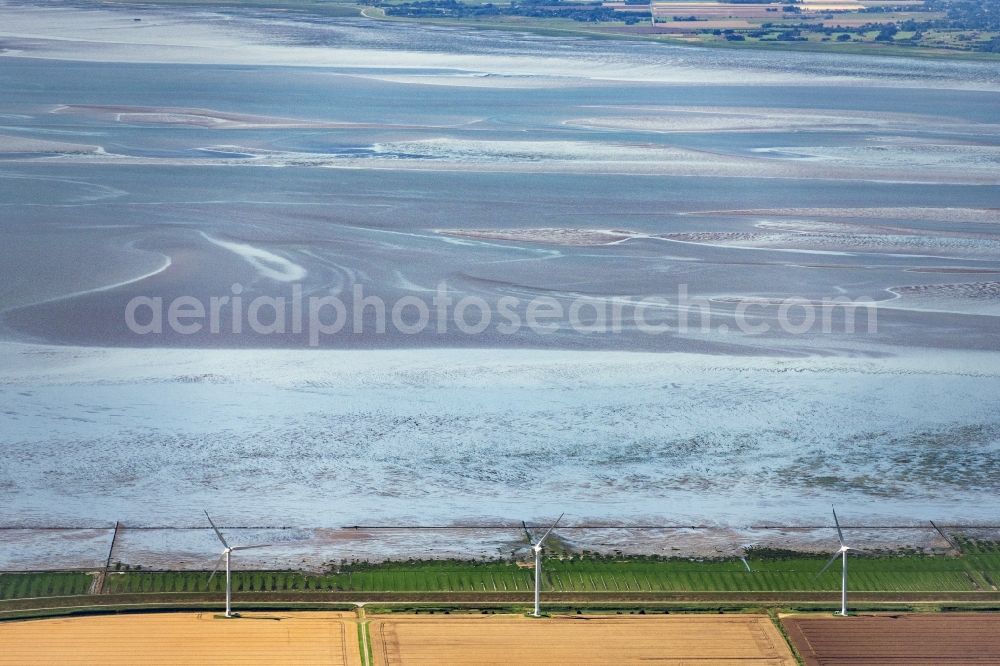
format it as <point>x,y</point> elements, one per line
<point>243,154</point>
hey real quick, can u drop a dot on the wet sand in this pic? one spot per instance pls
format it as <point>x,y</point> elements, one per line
<point>318,549</point>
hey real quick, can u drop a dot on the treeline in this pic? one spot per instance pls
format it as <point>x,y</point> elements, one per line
<point>887,32</point>
<point>884,32</point>
<point>968,14</point>
<point>958,14</point>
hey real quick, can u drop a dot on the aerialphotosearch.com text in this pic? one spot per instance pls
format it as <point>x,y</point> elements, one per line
<point>319,316</point>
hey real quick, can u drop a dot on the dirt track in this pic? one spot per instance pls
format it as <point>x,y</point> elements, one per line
<point>906,640</point>
<point>620,599</point>
<point>183,639</point>
<point>501,640</point>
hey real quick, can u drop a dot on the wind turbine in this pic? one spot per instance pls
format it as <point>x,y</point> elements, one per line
<point>227,556</point>
<point>743,557</point>
<point>538,547</point>
<point>842,554</point>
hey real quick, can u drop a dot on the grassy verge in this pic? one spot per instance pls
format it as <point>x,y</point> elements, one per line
<point>85,606</point>
<point>106,604</point>
<point>363,648</point>
<point>776,621</point>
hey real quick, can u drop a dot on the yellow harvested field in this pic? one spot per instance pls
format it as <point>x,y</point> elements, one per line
<point>831,6</point>
<point>746,640</point>
<point>179,639</point>
<point>835,5</point>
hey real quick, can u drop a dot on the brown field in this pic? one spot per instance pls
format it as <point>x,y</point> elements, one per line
<point>747,640</point>
<point>183,638</point>
<point>906,640</point>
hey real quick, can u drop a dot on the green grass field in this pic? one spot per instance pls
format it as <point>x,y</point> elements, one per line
<point>984,558</point>
<point>978,569</point>
<point>27,585</point>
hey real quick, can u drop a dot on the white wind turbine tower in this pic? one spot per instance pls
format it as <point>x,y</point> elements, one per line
<point>842,554</point>
<point>227,556</point>
<point>538,547</point>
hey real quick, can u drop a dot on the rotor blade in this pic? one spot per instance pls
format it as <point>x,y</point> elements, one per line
<point>746,564</point>
<point>217,532</point>
<point>545,536</point>
<point>840,535</point>
<point>526,532</point>
<point>216,569</point>
<point>827,565</point>
<point>263,545</point>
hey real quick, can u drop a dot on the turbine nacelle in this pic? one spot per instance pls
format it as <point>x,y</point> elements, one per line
<point>842,554</point>
<point>537,547</point>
